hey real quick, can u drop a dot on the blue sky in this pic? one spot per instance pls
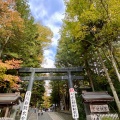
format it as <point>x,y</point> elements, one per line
<point>49,13</point>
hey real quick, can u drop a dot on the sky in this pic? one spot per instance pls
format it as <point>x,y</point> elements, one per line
<point>49,13</point>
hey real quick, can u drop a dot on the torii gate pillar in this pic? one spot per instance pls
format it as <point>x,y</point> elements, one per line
<point>74,108</point>
<point>27,97</point>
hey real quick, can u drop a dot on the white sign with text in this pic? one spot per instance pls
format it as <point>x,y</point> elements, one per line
<point>74,108</point>
<point>26,106</point>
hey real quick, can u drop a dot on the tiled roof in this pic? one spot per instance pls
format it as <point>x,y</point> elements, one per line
<point>9,98</point>
<point>96,96</point>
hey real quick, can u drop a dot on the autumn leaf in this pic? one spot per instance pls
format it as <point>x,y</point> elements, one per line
<point>15,64</point>
<point>7,79</point>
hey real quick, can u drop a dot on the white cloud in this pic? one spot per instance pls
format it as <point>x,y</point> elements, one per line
<point>55,29</point>
<point>56,18</point>
<point>48,63</point>
<point>37,8</point>
<point>49,54</point>
<point>51,23</point>
<point>53,20</point>
<point>55,40</point>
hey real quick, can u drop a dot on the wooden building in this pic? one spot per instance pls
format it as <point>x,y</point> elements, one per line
<point>96,105</point>
<point>7,102</point>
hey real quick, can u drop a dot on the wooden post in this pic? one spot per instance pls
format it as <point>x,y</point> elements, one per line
<point>6,112</point>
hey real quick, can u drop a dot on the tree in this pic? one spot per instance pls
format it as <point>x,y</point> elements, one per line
<point>38,93</point>
<point>55,94</point>
<point>8,81</point>
<point>110,83</point>
<point>60,93</point>
<point>32,38</point>
<point>91,25</point>
<point>10,21</point>
<point>46,103</point>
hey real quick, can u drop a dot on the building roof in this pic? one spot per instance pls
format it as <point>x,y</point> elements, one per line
<point>9,98</point>
<point>96,97</point>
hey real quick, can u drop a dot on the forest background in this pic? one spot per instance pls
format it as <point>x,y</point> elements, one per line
<point>89,37</point>
<point>22,42</point>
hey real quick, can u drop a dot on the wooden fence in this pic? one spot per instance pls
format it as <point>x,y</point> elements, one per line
<point>104,117</point>
<point>6,118</point>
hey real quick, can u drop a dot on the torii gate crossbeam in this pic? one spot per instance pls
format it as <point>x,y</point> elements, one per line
<point>48,70</point>
<point>27,78</point>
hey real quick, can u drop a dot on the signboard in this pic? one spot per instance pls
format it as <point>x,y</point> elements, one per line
<point>74,108</point>
<point>99,108</point>
<point>26,106</point>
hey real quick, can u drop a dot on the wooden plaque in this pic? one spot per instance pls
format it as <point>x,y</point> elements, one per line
<point>99,108</point>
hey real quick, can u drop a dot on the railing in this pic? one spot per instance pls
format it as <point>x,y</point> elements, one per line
<point>104,117</point>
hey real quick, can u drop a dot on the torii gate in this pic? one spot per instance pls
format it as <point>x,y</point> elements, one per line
<point>68,77</point>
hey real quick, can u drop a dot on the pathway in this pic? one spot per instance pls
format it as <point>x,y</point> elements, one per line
<point>50,116</point>
<point>47,116</point>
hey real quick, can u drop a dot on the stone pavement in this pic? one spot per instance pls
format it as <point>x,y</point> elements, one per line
<point>55,116</point>
<point>48,116</point>
<point>66,115</point>
<point>32,116</point>
<point>45,116</point>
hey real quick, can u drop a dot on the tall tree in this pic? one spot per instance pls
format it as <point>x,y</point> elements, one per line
<point>10,21</point>
<point>38,93</point>
<point>27,45</point>
<point>92,24</point>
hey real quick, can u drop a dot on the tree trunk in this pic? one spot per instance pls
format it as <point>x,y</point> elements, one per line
<point>0,53</point>
<point>115,67</point>
<point>3,46</point>
<point>67,101</point>
<point>113,62</point>
<point>116,61</point>
<point>89,74</point>
<point>110,82</point>
<point>65,107</point>
<point>58,95</point>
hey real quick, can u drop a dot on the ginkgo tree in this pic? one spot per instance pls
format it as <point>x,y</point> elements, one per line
<point>92,25</point>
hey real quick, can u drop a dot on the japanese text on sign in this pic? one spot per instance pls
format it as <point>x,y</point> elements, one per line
<point>73,103</point>
<point>26,106</point>
<point>99,108</point>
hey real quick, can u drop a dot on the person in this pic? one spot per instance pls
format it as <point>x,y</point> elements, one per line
<point>40,112</point>
<point>35,110</point>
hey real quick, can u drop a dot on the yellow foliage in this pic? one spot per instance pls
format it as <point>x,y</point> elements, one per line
<point>90,15</point>
<point>46,102</point>
<point>45,35</point>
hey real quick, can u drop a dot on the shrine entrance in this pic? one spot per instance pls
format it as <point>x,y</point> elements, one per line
<point>68,76</point>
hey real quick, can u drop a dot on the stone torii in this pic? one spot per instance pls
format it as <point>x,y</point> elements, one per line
<point>68,77</point>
